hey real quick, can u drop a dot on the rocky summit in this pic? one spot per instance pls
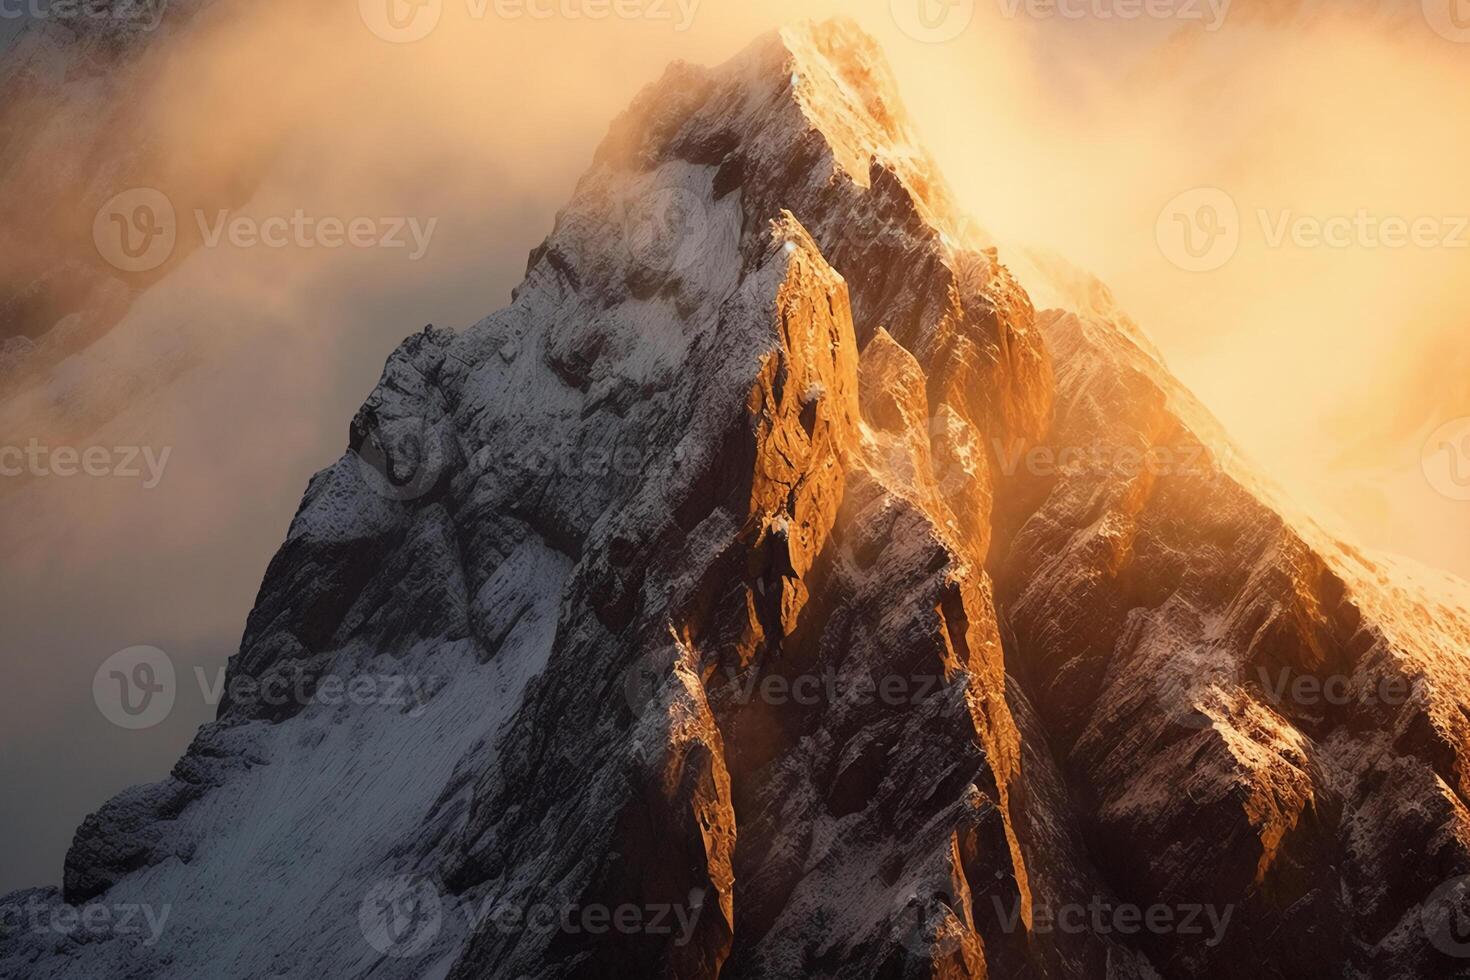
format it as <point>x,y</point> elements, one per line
<point>770,591</point>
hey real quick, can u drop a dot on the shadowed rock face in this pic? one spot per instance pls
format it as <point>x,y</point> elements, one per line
<point>778,583</point>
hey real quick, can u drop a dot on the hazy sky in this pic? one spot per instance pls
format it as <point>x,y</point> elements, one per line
<point>1331,365</point>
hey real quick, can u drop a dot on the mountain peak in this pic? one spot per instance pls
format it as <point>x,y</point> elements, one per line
<point>828,79</point>
<point>843,81</point>
<point>765,570</point>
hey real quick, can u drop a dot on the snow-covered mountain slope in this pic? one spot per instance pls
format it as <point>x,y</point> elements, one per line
<point>769,592</point>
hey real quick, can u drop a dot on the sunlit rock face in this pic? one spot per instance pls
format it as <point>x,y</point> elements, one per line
<point>771,577</point>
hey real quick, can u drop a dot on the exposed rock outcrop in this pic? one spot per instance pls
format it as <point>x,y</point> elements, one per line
<point>782,577</point>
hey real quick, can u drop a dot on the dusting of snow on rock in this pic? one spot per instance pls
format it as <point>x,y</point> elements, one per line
<point>770,566</point>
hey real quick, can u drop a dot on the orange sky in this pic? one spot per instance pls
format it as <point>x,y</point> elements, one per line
<point>1066,132</point>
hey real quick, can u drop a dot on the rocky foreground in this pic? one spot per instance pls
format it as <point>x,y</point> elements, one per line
<point>781,595</point>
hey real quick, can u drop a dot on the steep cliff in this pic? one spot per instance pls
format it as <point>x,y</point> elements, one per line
<point>773,579</point>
